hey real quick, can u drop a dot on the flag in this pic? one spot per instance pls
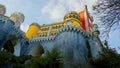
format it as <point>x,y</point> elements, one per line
<point>86,20</point>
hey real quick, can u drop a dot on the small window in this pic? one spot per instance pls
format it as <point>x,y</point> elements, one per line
<point>69,22</point>
<point>73,16</point>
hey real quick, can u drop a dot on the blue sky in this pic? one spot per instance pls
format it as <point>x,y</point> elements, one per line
<point>43,11</point>
<point>51,11</point>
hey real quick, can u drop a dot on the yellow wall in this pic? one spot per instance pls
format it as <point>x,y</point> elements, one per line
<point>32,31</point>
<point>45,28</point>
<point>74,23</point>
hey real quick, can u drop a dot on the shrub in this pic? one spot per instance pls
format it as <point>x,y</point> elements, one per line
<point>108,59</point>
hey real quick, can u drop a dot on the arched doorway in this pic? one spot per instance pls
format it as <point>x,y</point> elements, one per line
<point>36,51</point>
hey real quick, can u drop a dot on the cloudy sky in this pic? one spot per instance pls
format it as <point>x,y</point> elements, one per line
<point>44,11</point>
<point>50,11</point>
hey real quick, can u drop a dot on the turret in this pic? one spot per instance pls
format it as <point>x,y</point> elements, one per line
<point>95,30</point>
<point>18,18</point>
<point>72,19</point>
<point>2,9</point>
<point>32,31</point>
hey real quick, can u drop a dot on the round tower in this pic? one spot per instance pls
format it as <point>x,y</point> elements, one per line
<point>18,18</point>
<point>32,31</point>
<point>73,19</point>
<point>95,30</point>
<point>2,9</point>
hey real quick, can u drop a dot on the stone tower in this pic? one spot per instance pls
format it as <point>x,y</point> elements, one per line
<point>18,18</point>
<point>32,31</point>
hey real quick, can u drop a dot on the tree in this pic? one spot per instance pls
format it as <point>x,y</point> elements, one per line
<point>108,58</point>
<point>9,46</point>
<point>51,59</point>
<point>108,11</point>
<point>54,58</point>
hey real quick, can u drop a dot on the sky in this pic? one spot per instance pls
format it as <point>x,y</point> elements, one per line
<point>51,11</point>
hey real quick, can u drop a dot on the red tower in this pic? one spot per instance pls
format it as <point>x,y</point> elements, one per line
<point>86,20</point>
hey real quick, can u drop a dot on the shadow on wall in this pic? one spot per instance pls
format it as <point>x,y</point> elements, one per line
<point>36,51</point>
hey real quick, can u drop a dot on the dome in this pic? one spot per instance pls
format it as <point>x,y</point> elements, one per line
<point>17,17</point>
<point>72,15</point>
<point>36,24</point>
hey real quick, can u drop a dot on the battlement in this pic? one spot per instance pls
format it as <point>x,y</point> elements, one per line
<point>72,15</point>
<point>82,20</point>
<point>70,19</point>
<point>61,30</point>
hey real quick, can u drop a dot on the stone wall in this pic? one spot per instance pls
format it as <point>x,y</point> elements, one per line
<point>71,41</point>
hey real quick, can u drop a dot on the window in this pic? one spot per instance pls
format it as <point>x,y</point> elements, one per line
<point>69,23</point>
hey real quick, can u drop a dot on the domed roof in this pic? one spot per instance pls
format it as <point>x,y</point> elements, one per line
<point>72,15</point>
<point>36,24</point>
<point>17,17</point>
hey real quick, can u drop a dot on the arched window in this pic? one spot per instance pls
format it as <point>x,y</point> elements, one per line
<point>69,23</point>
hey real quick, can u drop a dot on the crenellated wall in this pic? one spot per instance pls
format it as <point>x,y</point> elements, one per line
<point>72,41</point>
<point>8,28</point>
<point>5,27</point>
<point>76,44</point>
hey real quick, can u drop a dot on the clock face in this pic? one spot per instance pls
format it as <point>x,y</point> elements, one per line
<point>69,22</point>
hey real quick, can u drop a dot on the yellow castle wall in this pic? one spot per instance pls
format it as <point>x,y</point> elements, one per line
<point>32,31</point>
<point>74,23</point>
<point>35,31</point>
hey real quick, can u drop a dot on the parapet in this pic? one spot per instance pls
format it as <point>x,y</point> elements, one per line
<point>72,15</point>
<point>61,30</point>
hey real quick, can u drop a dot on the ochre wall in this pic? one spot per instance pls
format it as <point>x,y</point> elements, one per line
<point>32,31</point>
<point>74,23</point>
<point>44,29</point>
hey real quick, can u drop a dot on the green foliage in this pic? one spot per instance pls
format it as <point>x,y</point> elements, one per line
<point>54,58</point>
<point>9,46</point>
<point>37,62</point>
<point>5,57</point>
<point>108,59</point>
<point>51,59</point>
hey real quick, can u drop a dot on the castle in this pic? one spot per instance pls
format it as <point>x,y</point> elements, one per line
<point>76,36</point>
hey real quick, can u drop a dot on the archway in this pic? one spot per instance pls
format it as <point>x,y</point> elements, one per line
<point>36,50</point>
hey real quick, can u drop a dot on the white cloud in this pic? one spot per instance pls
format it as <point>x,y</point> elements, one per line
<point>54,11</point>
<point>57,9</point>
